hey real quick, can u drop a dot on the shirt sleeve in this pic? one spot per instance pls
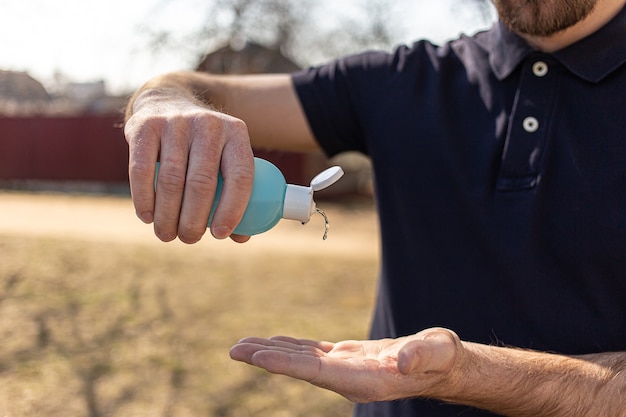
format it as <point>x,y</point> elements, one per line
<point>348,101</point>
<point>336,104</point>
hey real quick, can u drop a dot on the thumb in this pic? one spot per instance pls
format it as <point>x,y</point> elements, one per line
<point>435,350</point>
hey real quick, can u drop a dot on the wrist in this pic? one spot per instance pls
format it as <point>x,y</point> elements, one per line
<point>459,384</point>
<point>524,383</point>
<point>164,100</point>
<point>160,96</point>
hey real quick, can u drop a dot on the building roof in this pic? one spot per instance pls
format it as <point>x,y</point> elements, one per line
<point>246,58</point>
<point>20,86</point>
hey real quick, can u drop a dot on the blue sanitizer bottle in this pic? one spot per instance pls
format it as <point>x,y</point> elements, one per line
<point>273,199</point>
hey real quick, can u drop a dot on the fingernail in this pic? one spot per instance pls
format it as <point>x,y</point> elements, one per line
<point>146,217</point>
<point>220,232</point>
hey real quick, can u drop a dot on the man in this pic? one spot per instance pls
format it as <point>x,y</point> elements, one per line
<point>500,172</point>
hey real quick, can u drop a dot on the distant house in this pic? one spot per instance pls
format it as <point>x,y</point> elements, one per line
<point>21,94</point>
<point>245,57</point>
<point>20,86</point>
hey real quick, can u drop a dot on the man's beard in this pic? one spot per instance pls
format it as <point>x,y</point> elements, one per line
<point>542,17</point>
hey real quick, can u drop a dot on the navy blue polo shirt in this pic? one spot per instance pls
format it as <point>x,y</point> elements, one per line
<point>500,176</point>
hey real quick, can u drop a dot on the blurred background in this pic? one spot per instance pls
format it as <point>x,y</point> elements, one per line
<point>97,317</point>
<point>124,43</point>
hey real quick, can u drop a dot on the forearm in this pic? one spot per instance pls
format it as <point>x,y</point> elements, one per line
<point>521,383</point>
<point>267,104</point>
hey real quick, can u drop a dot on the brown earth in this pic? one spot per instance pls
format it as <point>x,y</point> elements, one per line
<point>99,318</point>
<point>353,227</point>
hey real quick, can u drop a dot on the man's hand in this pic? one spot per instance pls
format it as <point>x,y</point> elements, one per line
<point>435,363</point>
<point>362,371</point>
<point>193,143</point>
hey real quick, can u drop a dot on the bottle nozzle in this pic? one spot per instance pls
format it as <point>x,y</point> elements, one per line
<point>299,204</point>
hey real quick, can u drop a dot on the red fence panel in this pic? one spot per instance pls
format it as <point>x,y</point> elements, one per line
<point>93,149</point>
<point>85,148</point>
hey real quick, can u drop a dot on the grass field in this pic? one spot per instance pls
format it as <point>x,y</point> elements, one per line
<point>97,324</point>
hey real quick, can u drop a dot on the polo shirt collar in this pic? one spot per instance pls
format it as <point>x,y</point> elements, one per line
<point>591,58</point>
<point>507,50</point>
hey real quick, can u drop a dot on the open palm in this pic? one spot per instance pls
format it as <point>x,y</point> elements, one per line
<point>361,371</point>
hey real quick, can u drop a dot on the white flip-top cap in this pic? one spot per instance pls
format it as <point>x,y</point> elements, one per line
<point>326,178</point>
<point>299,204</point>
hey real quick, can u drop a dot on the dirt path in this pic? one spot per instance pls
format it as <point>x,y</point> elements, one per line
<point>353,232</point>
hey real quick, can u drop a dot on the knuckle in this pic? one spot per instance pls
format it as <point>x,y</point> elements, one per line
<point>140,168</point>
<point>202,183</point>
<point>129,128</point>
<point>239,126</point>
<point>171,180</point>
<point>233,129</point>
<point>243,176</point>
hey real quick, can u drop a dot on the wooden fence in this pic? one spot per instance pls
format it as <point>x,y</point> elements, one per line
<point>85,149</point>
<point>92,149</point>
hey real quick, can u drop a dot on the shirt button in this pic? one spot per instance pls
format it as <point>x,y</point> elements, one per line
<point>531,125</point>
<point>540,68</point>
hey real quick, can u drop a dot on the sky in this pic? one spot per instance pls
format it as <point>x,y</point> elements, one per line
<point>91,40</point>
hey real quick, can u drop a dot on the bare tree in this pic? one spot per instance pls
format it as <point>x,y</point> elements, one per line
<point>290,26</point>
<point>369,27</point>
<point>272,23</point>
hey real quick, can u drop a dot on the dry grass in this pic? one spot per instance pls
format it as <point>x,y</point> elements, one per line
<point>98,329</point>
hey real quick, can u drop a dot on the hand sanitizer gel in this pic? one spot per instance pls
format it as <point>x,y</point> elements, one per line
<point>272,198</point>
